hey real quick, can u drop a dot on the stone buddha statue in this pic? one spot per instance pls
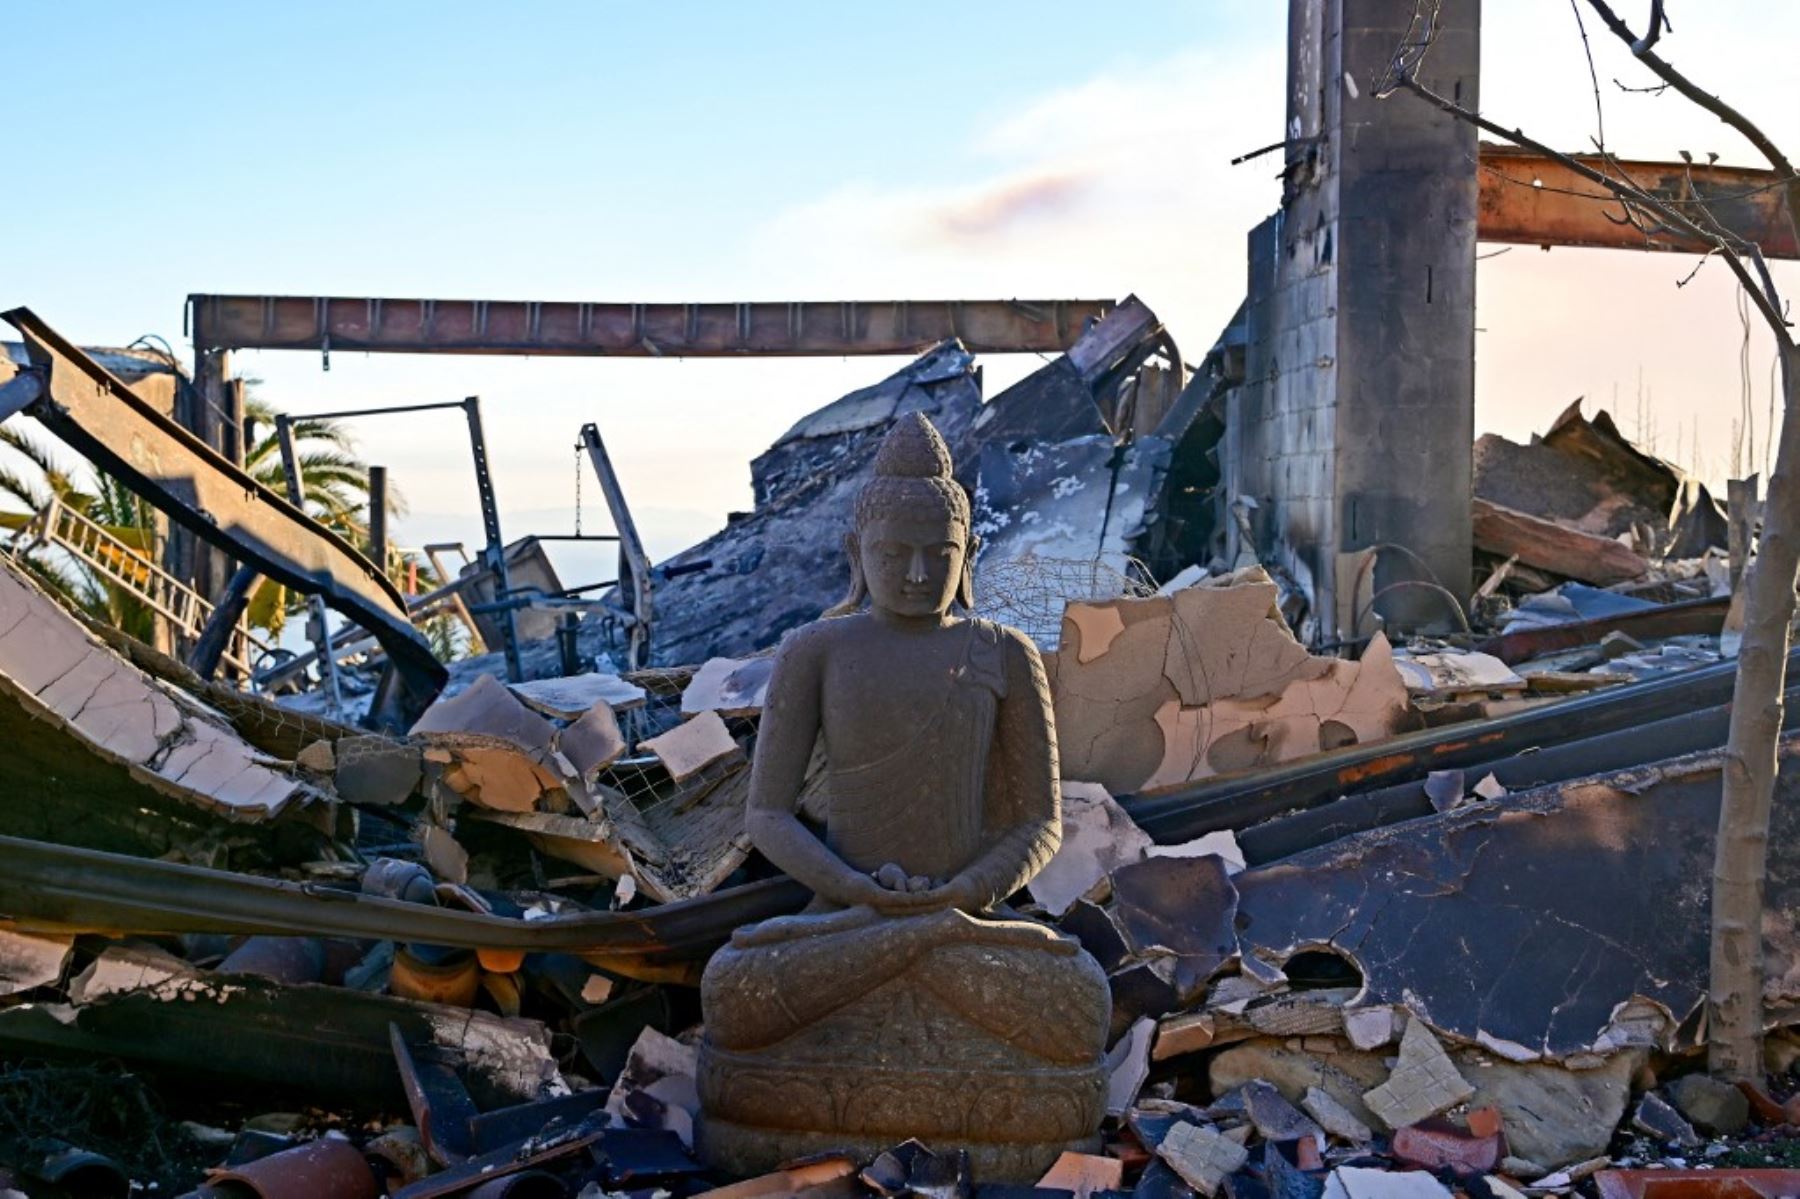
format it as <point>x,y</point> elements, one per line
<point>906,1001</point>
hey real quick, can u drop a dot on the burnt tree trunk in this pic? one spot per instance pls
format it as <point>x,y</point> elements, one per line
<point>1734,1042</point>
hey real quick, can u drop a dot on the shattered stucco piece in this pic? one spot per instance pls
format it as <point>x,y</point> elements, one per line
<point>692,746</point>
<point>491,772</point>
<point>656,1089</point>
<point>375,770</point>
<point>28,961</point>
<point>1097,838</point>
<point>1203,1156</point>
<point>1452,673</point>
<point>55,669</point>
<point>1295,1070</point>
<point>1081,1174</point>
<point>729,686</point>
<point>1273,1117</point>
<point>1424,1083</point>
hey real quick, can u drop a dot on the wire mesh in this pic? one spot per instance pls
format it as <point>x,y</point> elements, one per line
<point>1029,594</point>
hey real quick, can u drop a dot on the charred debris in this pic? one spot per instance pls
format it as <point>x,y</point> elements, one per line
<point>1419,911</point>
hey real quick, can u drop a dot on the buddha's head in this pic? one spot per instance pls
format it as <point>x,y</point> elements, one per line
<point>911,549</point>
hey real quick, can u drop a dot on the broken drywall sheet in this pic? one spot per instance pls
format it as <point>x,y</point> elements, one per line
<point>1534,923</point>
<point>1350,703</point>
<point>1449,673</point>
<point>568,698</point>
<point>59,672</point>
<point>1164,690</point>
<point>1097,838</point>
<point>692,746</point>
<point>729,686</point>
<point>593,742</point>
<point>489,708</point>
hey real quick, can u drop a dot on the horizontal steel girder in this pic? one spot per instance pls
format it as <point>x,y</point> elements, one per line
<point>419,326</point>
<point>1527,199</point>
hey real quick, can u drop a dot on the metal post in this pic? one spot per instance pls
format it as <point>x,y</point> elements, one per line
<point>495,553</point>
<point>296,489</point>
<point>215,636</point>
<point>378,517</point>
<point>634,564</point>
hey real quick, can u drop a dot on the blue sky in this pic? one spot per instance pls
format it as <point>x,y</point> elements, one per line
<point>713,151</point>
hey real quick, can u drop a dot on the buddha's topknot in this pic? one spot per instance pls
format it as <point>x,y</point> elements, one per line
<point>913,476</point>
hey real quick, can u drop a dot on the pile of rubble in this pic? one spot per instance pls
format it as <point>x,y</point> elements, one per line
<point>1424,920</point>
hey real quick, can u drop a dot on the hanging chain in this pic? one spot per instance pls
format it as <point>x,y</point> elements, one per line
<point>578,489</point>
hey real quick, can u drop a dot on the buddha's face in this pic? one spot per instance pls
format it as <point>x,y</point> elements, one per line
<point>912,565</point>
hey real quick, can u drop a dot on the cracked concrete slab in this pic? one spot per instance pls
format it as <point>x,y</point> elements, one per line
<point>58,672</point>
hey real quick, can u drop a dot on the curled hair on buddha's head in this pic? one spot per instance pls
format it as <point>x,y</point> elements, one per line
<point>914,478</point>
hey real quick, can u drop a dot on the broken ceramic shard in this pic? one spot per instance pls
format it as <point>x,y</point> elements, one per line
<point>847,1025</point>
<point>1424,1082</point>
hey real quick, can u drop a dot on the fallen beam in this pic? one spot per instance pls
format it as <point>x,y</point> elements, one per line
<point>1244,800</point>
<point>1553,547</point>
<point>1686,617</point>
<point>420,326</point>
<point>46,887</point>
<point>156,458</point>
<point>1527,199</point>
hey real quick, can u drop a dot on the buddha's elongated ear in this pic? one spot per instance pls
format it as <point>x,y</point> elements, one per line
<point>859,587</point>
<point>965,589</point>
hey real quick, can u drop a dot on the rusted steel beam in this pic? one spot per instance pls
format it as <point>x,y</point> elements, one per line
<point>176,472</point>
<point>418,326</point>
<point>1527,199</point>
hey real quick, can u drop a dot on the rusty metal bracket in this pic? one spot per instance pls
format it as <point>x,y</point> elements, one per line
<point>105,421</point>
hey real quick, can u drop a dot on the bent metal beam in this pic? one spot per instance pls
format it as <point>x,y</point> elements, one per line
<point>568,328</point>
<point>107,422</point>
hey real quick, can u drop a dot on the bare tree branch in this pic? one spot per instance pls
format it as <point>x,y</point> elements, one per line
<point>1687,87</point>
<point>1624,191</point>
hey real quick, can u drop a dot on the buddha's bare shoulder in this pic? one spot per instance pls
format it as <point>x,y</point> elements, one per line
<point>1019,648</point>
<point>811,643</point>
